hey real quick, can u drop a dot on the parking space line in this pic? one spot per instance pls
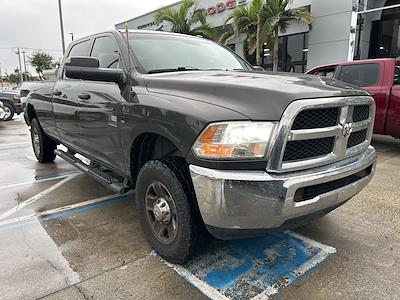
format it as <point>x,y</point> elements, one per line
<point>14,145</point>
<point>42,179</point>
<point>35,197</point>
<point>64,211</point>
<point>208,291</point>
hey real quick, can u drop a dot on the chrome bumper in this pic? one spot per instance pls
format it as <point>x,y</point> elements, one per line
<point>260,200</point>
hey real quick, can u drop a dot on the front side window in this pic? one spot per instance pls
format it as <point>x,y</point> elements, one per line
<point>162,53</point>
<point>80,49</point>
<point>330,72</point>
<point>106,51</point>
<point>362,75</point>
<point>397,73</point>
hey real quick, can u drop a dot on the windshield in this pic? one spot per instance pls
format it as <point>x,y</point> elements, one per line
<point>167,53</point>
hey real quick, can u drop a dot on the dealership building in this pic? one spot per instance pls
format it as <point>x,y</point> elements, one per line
<point>342,30</point>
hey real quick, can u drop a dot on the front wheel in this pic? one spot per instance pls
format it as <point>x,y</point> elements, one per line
<point>169,218</point>
<point>43,146</point>
<point>9,111</point>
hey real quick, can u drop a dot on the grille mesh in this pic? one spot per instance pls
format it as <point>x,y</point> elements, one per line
<point>360,113</point>
<point>316,118</point>
<point>304,149</point>
<point>357,138</point>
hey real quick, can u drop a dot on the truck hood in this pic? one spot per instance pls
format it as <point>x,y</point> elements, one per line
<point>256,95</point>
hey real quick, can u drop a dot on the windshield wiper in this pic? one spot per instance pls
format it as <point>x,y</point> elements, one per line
<point>178,69</point>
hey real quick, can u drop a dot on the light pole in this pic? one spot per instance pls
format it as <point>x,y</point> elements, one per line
<point>1,77</point>
<point>18,51</point>
<point>26,74</point>
<point>61,26</point>
<point>72,36</point>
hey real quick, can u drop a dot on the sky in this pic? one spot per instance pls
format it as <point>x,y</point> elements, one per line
<point>34,24</point>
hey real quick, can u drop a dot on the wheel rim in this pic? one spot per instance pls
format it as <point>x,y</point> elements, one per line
<point>161,212</point>
<point>7,112</point>
<point>35,141</point>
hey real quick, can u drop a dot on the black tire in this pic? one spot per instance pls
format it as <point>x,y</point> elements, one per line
<point>10,110</point>
<point>172,174</point>
<point>43,146</point>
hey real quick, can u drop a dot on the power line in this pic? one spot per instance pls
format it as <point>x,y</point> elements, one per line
<point>30,48</point>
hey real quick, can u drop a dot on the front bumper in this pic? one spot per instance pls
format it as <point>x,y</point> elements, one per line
<point>243,201</point>
<point>18,107</point>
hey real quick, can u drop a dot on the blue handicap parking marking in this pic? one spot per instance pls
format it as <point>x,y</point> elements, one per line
<point>254,268</point>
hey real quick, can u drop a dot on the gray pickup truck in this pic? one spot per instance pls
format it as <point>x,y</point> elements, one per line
<point>208,143</point>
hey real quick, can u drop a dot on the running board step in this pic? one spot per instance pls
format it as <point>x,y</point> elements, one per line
<point>106,178</point>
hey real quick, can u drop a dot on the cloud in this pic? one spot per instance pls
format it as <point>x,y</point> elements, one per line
<point>35,24</point>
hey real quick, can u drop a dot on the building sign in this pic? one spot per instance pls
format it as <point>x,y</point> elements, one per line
<point>150,24</point>
<point>221,6</point>
<point>211,10</point>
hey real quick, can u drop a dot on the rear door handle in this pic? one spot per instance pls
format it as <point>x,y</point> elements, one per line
<point>57,93</point>
<point>84,96</point>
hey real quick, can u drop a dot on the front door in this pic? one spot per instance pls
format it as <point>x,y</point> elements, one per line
<point>368,77</point>
<point>393,116</point>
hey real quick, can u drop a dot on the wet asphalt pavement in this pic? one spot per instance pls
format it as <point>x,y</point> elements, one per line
<point>84,249</point>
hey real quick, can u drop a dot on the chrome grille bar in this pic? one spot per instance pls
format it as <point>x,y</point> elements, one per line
<point>341,131</point>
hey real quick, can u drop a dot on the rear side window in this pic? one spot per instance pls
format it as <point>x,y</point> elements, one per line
<point>81,49</point>
<point>106,51</point>
<point>360,74</point>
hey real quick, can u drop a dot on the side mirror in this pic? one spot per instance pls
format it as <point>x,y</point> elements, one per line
<point>258,68</point>
<point>87,68</point>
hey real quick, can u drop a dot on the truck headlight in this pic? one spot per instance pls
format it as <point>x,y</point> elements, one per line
<point>235,140</point>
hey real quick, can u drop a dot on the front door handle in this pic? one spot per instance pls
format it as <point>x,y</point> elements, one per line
<point>84,96</point>
<point>57,93</point>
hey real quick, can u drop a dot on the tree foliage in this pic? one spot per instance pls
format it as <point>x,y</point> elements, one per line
<point>15,77</point>
<point>41,61</point>
<point>188,18</point>
<point>262,21</point>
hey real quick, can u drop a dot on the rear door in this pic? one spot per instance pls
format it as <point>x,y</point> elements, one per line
<point>65,101</point>
<point>368,77</point>
<point>100,105</point>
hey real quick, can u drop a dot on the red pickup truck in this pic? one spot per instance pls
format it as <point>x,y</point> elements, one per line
<point>381,78</point>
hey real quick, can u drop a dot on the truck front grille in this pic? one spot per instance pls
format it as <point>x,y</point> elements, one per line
<point>320,131</point>
<point>360,113</point>
<point>308,148</point>
<point>357,138</point>
<point>316,118</point>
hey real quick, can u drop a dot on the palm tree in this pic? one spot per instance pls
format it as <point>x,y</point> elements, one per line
<point>276,18</point>
<point>246,20</point>
<point>188,18</point>
<point>261,22</point>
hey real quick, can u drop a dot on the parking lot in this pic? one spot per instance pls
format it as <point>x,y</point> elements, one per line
<point>63,235</point>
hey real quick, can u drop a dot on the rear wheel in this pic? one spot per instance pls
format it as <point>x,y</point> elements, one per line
<point>169,218</point>
<point>9,111</point>
<point>43,146</point>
